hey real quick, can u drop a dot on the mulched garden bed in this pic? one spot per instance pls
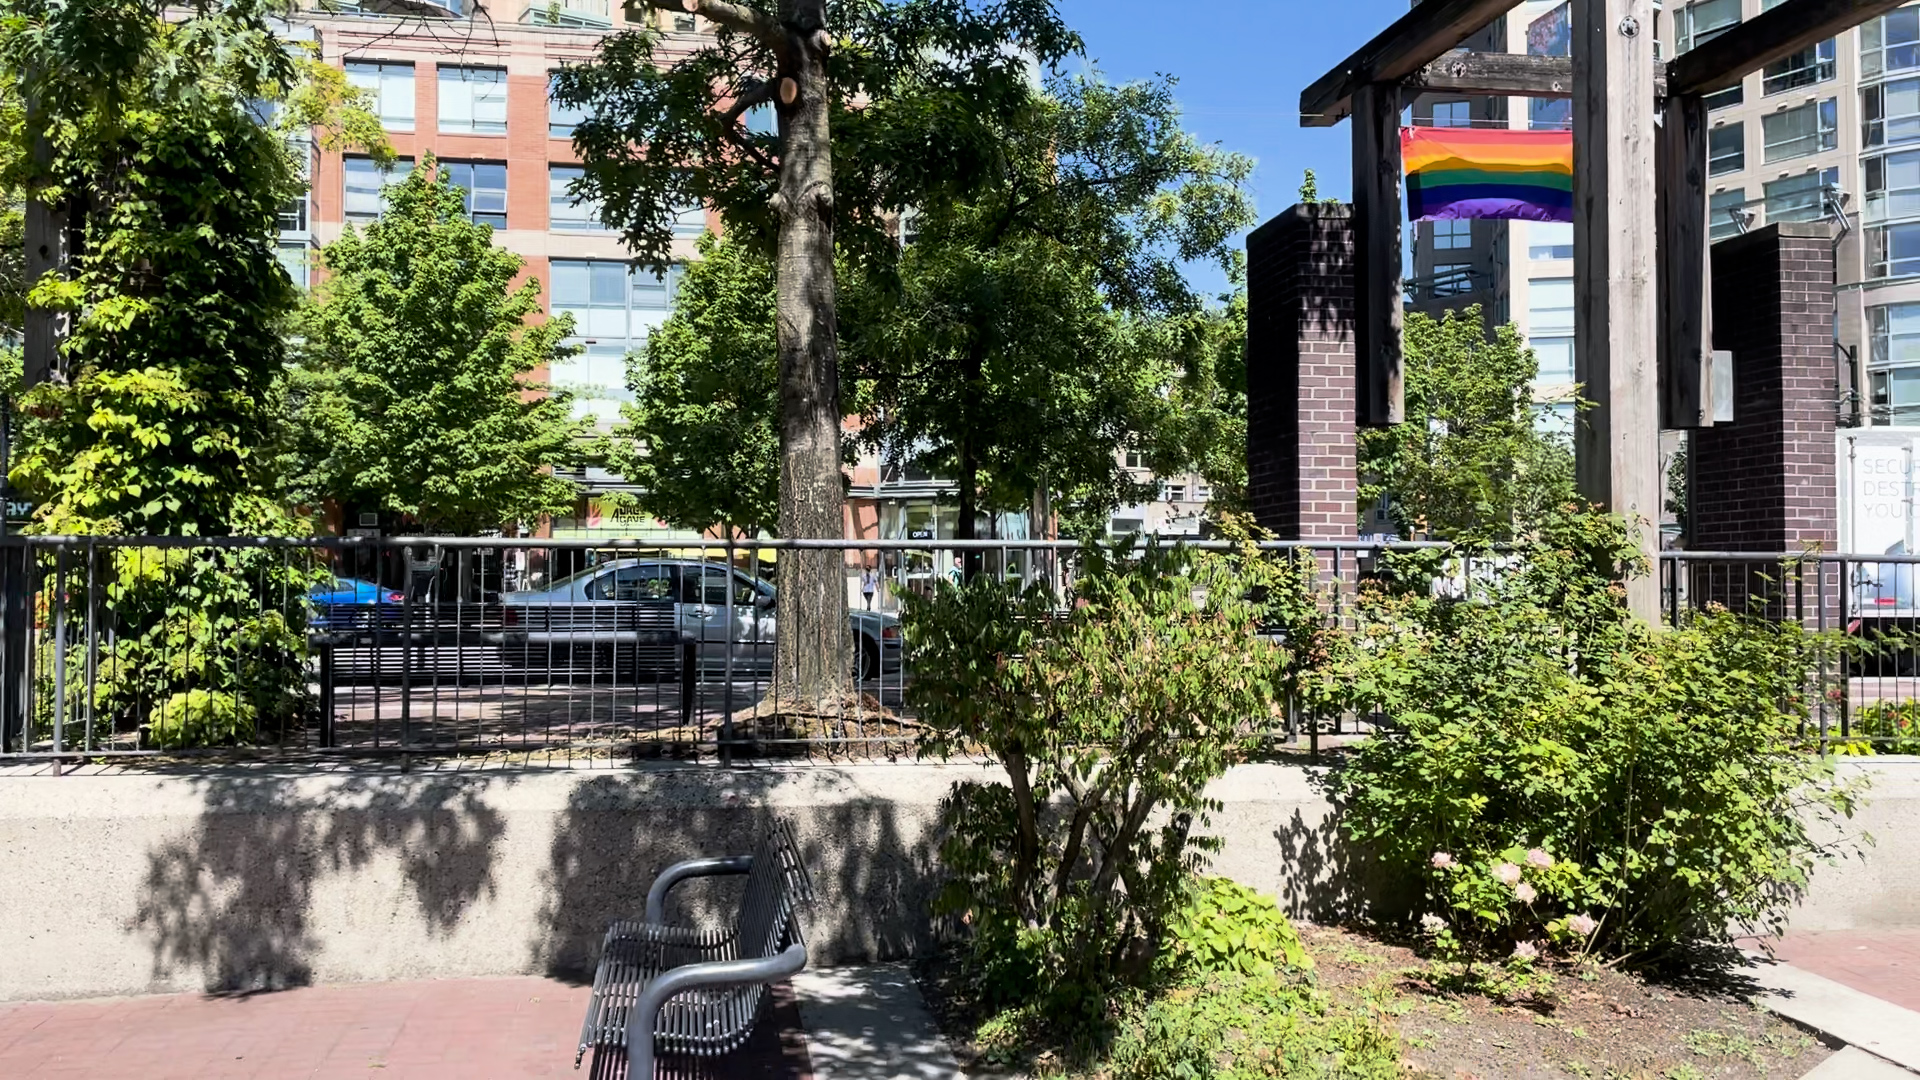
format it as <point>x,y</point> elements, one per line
<point>1593,1024</point>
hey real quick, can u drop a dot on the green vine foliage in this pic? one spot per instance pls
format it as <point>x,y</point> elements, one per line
<point>174,356</point>
<point>1565,776</point>
<point>1108,720</point>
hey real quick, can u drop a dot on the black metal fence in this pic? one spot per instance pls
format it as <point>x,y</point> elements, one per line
<point>121,647</point>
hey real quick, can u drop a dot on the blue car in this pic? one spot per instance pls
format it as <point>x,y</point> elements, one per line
<point>348,603</point>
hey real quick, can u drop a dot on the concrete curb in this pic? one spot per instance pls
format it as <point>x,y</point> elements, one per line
<point>1852,1063</point>
<point>1885,1032</point>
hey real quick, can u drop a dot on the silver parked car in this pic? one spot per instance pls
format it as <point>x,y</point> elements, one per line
<point>635,605</point>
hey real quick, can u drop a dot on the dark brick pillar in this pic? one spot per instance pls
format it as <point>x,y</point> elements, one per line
<point>1300,372</point>
<point>1766,481</point>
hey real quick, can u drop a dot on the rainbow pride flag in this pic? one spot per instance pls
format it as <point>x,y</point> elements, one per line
<point>1494,173</point>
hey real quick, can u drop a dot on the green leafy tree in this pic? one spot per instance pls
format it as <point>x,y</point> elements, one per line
<point>702,438</point>
<point>1470,462</point>
<point>1041,324</point>
<point>143,128</point>
<point>416,393</point>
<point>878,106</point>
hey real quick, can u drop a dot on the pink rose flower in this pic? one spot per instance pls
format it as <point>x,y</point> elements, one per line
<point>1524,893</point>
<point>1583,925</point>
<point>1538,857</point>
<point>1508,873</point>
<point>1442,860</point>
<point>1526,950</point>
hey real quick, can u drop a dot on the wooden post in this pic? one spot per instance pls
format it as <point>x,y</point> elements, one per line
<point>1376,223</point>
<point>1686,317</point>
<point>1616,441</point>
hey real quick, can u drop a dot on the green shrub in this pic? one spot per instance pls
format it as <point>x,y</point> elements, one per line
<point>1227,927</point>
<point>1897,722</point>
<point>1107,721</point>
<point>1242,1027</point>
<point>1565,774</point>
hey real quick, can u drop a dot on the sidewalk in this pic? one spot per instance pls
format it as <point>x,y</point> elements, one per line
<point>1883,963</point>
<point>473,1029</point>
<point>838,1024</point>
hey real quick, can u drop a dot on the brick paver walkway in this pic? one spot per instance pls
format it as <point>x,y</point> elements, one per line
<point>1884,963</point>
<point>473,1029</point>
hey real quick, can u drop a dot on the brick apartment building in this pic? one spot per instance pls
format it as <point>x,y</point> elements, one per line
<point>470,85</point>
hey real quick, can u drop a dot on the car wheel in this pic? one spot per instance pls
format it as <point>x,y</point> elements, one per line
<point>866,664</point>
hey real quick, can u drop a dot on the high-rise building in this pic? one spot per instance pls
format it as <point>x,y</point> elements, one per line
<point>1832,133</point>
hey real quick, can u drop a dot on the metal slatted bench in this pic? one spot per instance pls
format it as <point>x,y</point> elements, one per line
<point>669,989</point>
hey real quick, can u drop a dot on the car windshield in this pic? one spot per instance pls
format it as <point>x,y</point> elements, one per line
<point>572,579</point>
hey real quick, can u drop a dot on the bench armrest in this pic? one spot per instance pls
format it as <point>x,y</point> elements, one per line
<point>680,871</point>
<point>642,1021</point>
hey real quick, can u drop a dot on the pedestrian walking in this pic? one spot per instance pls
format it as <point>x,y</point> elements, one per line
<point>869,584</point>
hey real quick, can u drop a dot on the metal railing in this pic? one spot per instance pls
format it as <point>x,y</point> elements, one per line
<point>118,647</point>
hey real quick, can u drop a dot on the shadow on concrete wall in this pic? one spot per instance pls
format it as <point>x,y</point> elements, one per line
<point>872,879</point>
<point>233,900</point>
<point>1333,878</point>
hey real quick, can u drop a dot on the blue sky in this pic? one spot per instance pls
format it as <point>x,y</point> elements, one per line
<point>1241,65</point>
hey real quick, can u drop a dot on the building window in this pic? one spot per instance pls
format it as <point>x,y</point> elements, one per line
<point>1720,210</point>
<point>1452,279</point>
<point>1549,239</point>
<point>1452,114</point>
<point>760,120</point>
<point>563,213</point>
<point>1136,460</point>
<point>1890,113</point>
<point>473,101</point>
<point>1793,133</point>
<point>1890,43</point>
<point>293,259</point>
<point>1893,186</point>
<point>561,119</point>
<point>579,14</point>
<point>1556,420</point>
<point>1703,20</point>
<point>364,200</point>
<point>1549,305</point>
<point>690,220</point>
<point>1726,149</point>
<point>614,308</point>
<point>1797,198</point>
<point>1893,250</point>
<point>682,22</point>
<point>1811,65</point>
<point>485,185</point>
<point>1893,363</point>
<point>293,215</point>
<point>1550,327</point>
<point>391,85</point>
<point>1452,234</point>
<point>1721,99</point>
<point>1173,493</point>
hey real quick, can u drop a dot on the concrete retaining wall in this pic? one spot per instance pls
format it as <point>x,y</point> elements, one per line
<point>138,882</point>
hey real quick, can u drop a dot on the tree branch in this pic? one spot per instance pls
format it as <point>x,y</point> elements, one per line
<point>757,94</point>
<point>756,24</point>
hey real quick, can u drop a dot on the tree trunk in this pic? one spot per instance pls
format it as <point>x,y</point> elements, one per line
<point>813,654</point>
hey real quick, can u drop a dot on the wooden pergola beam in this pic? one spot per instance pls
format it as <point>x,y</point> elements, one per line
<point>1767,37</point>
<point>1506,75</point>
<point>1415,40</point>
